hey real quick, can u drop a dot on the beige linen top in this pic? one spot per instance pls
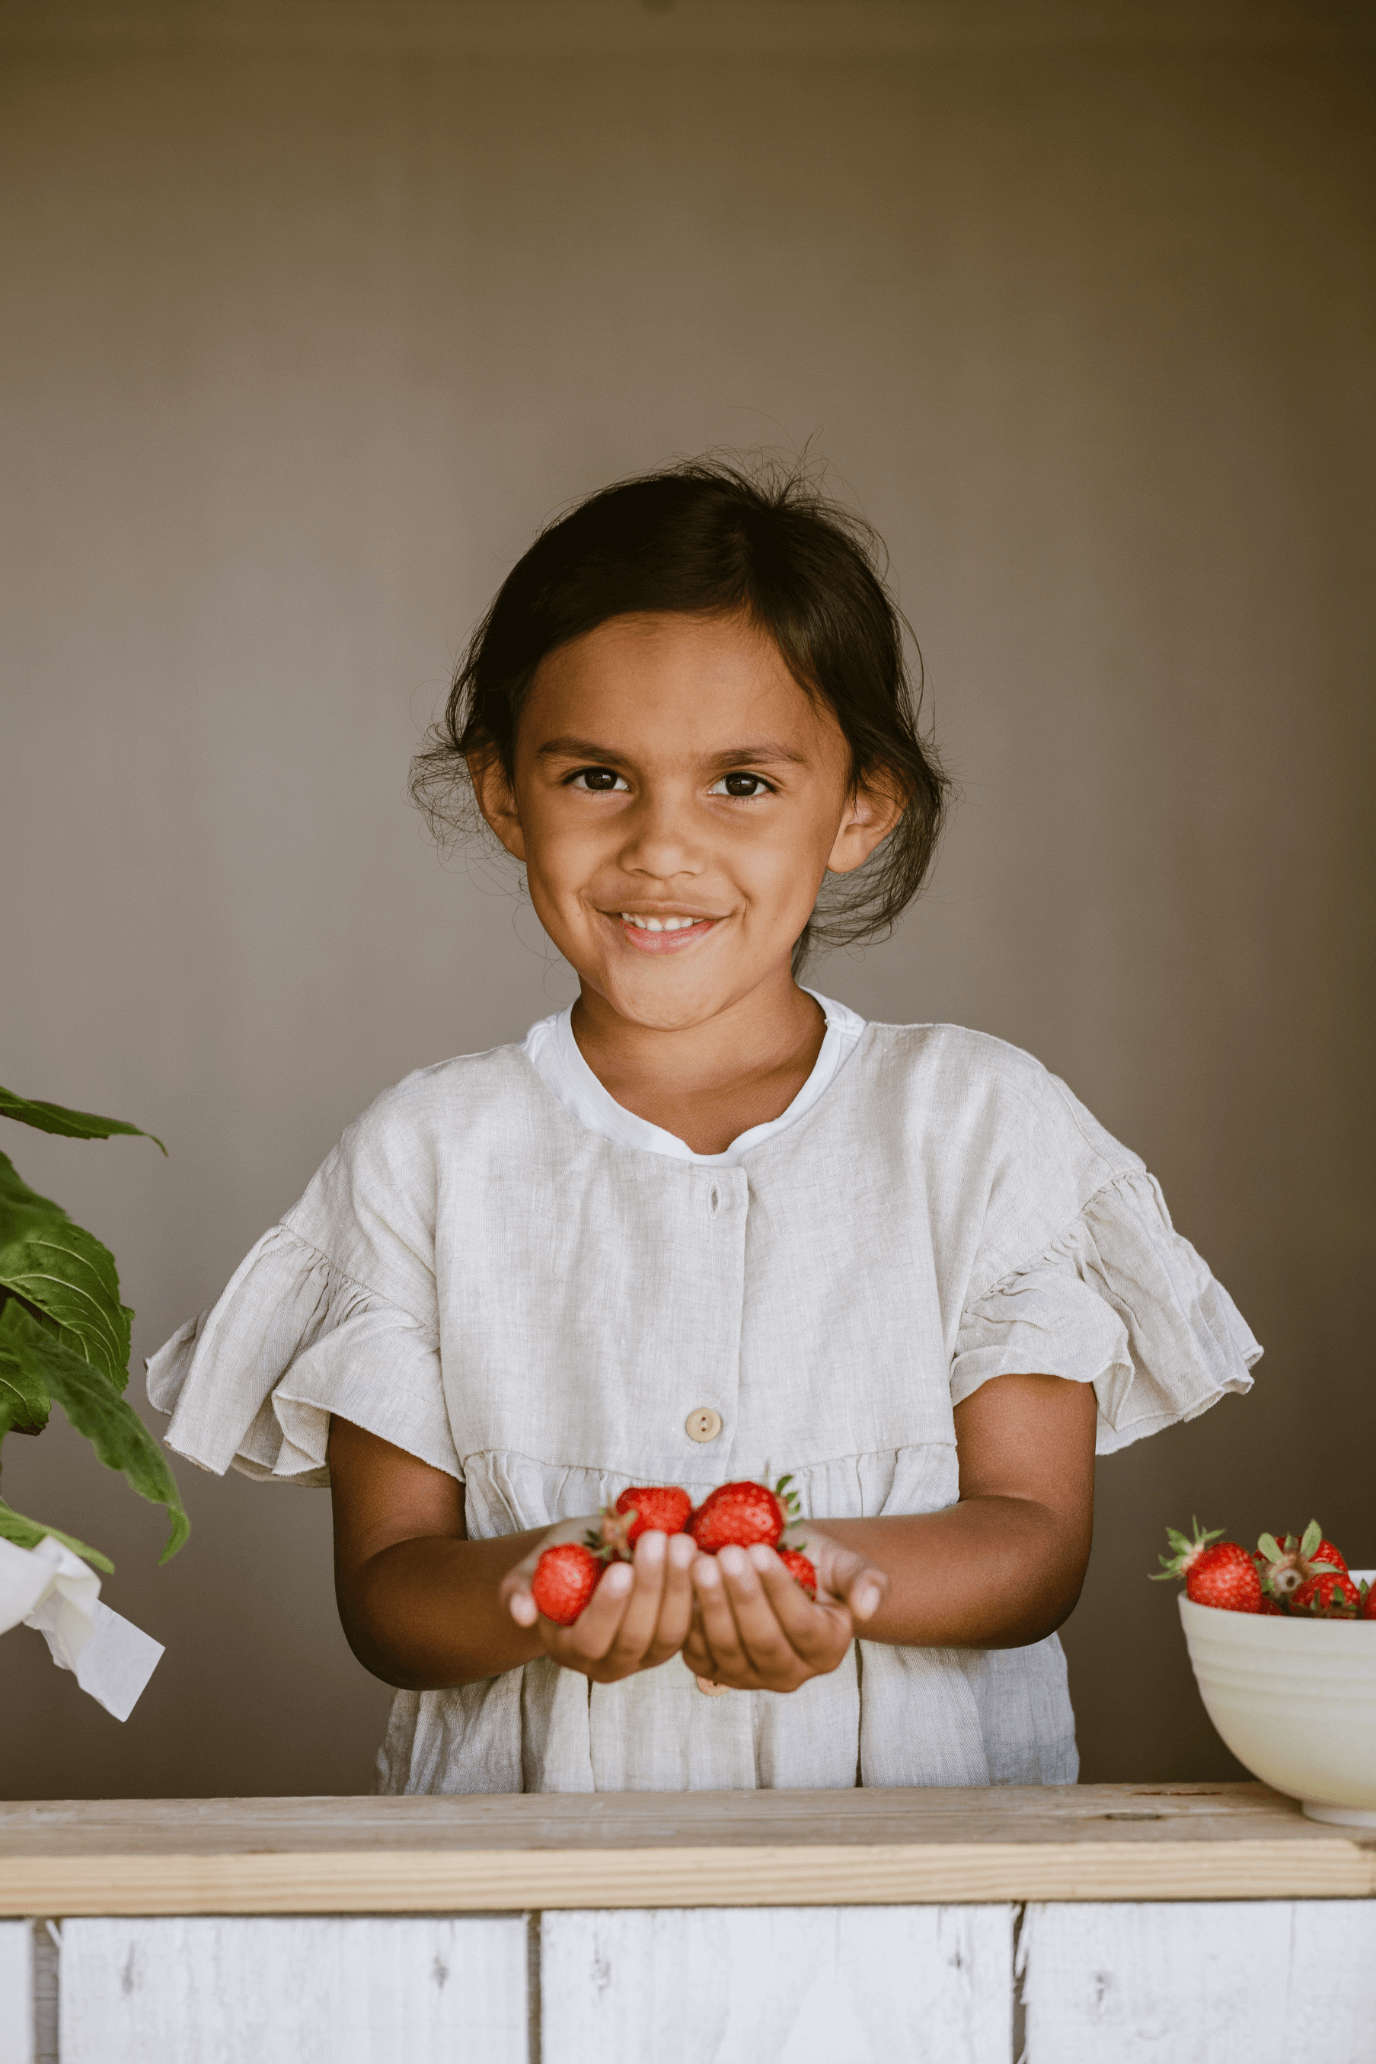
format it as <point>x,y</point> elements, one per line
<point>479,1277</point>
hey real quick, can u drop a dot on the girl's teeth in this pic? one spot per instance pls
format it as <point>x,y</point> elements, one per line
<point>658,924</point>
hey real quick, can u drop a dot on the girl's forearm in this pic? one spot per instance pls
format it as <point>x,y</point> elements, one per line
<point>991,1572</point>
<point>425,1614</point>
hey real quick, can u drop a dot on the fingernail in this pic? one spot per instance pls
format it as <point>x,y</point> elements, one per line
<point>760,1556</point>
<point>706,1571</point>
<point>733,1562</point>
<point>865,1601</point>
<point>618,1579</point>
<point>652,1546</point>
<point>682,1551</point>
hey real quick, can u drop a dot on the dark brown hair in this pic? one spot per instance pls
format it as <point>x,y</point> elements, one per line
<point>710,538</point>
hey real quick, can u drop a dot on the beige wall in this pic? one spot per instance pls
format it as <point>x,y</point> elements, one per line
<point>302,340</point>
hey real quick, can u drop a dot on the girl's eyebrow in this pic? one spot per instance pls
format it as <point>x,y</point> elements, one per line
<point>772,749</point>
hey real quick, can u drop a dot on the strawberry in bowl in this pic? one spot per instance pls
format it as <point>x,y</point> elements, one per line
<point>1216,1572</point>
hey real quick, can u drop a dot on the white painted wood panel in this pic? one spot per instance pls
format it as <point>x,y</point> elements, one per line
<point>321,1991</point>
<point>16,1992</point>
<point>815,1985</point>
<point>1236,1982</point>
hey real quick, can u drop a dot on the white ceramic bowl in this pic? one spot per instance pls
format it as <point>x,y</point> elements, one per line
<point>1295,1700</point>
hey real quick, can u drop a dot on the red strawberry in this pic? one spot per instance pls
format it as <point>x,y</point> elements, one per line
<point>800,1569</point>
<point>1288,1562</point>
<point>1368,1611</point>
<point>565,1579</point>
<point>1222,1574</point>
<point>1331,1595</point>
<point>661,1507</point>
<point>1268,1605</point>
<point>736,1515</point>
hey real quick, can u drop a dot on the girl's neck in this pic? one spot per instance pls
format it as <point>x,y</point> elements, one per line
<point>707,1083</point>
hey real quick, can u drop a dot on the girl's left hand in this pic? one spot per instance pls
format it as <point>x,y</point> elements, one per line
<point>755,1629</point>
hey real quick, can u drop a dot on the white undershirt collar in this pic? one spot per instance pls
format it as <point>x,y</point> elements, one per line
<point>553,1052</point>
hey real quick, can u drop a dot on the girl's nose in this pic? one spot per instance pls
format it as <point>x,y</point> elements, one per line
<point>661,840</point>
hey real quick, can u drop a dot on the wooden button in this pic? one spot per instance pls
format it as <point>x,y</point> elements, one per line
<point>711,1690</point>
<point>702,1425</point>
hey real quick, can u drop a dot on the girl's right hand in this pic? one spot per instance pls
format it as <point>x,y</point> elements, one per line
<point>637,1618</point>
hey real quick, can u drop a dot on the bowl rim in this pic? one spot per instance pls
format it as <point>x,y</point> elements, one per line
<point>1278,1626</point>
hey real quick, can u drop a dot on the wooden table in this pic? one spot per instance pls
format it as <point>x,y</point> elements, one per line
<point>1097,1923</point>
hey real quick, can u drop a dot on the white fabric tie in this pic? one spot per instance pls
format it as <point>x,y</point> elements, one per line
<point>53,1590</point>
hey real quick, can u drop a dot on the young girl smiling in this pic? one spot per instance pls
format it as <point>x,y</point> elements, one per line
<point>708,1223</point>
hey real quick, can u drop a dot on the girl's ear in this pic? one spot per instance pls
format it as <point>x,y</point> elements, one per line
<point>497,799</point>
<point>873,807</point>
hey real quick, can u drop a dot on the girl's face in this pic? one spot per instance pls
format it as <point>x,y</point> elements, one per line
<point>677,799</point>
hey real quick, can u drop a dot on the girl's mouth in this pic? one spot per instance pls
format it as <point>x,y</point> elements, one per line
<point>669,934</point>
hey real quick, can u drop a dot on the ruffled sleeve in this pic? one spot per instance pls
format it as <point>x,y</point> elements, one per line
<point>253,1382</point>
<point>1120,1300</point>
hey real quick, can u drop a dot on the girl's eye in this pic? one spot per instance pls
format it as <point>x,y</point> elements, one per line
<point>743,786</point>
<point>597,780</point>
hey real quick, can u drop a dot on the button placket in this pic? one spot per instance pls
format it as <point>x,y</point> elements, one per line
<point>720,1201</point>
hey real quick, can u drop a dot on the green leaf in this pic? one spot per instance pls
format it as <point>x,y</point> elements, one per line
<point>24,1400</point>
<point>67,1124</point>
<point>27,1533</point>
<point>65,1272</point>
<point>97,1410</point>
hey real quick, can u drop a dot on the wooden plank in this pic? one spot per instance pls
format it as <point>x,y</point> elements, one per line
<point>422,1991</point>
<point>487,1853</point>
<point>499,1881</point>
<point>1268,1982</point>
<point>16,1992</point>
<point>620,1820</point>
<point>756,1986</point>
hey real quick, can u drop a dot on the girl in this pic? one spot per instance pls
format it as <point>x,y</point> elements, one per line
<point>708,1222</point>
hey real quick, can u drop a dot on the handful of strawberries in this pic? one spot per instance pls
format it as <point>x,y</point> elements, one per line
<point>734,1515</point>
<point>1302,1576</point>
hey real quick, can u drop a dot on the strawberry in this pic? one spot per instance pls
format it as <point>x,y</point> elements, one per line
<point>1285,1564</point>
<point>565,1579</point>
<point>736,1515</point>
<point>1217,1573</point>
<point>800,1569</point>
<point>661,1507</point>
<point>1330,1595</point>
<point>1269,1606</point>
<point>1368,1611</point>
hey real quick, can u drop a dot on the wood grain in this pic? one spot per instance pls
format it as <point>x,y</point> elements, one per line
<point>930,1985</point>
<point>294,1992</point>
<point>16,1992</point>
<point>1269,1982</point>
<point>490,1853</point>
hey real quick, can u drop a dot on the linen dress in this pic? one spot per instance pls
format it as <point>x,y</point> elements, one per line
<point>508,1275</point>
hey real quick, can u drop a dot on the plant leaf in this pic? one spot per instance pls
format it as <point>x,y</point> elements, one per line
<point>67,1124</point>
<point>24,1400</point>
<point>97,1410</point>
<point>27,1533</point>
<point>65,1272</point>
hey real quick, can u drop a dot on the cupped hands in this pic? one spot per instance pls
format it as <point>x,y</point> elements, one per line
<point>738,1618</point>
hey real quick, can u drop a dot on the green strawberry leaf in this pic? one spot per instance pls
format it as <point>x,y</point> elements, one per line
<point>24,1400</point>
<point>27,1533</point>
<point>65,1272</point>
<point>96,1409</point>
<point>67,1124</point>
<point>1310,1540</point>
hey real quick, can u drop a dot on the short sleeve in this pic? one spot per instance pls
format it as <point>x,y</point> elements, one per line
<point>1120,1300</point>
<point>253,1382</point>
